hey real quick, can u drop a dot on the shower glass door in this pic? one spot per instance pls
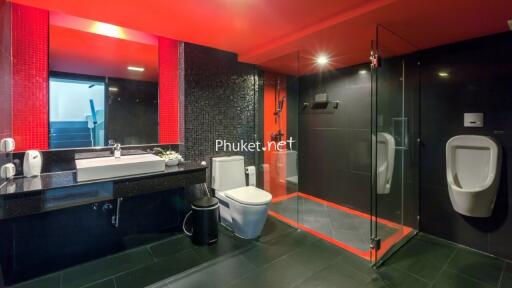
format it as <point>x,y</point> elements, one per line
<point>395,170</point>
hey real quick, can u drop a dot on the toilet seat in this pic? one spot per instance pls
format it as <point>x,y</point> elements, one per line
<point>249,195</point>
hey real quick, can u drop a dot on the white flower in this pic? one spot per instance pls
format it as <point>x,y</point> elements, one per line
<point>171,155</point>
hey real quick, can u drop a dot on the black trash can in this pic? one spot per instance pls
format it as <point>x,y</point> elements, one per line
<point>205,215</point>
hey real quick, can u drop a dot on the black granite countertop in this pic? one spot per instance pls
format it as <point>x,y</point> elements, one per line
<point>22,185</point>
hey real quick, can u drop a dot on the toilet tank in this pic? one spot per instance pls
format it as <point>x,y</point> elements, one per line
<point>228,173</point>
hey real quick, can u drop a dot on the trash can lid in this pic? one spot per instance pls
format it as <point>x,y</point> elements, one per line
<point>205,203</point>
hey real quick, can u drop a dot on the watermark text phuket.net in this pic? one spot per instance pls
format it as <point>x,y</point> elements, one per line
<point>243,146</point>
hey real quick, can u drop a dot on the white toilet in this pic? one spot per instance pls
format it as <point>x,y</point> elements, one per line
<point>473,166</point>
<point>243,209</point>
<point>385,162</point>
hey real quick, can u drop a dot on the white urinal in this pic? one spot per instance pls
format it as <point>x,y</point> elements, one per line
<point>385,162</point>
<point>473,166</point>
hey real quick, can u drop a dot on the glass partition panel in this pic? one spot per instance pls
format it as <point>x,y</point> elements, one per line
<point>395,86</point>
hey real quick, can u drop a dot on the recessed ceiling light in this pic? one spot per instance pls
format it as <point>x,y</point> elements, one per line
<point>362,71</point>
<point>443,74</point>
<point>112,88</point>
<point>134,68</point>
<point>322,59</point>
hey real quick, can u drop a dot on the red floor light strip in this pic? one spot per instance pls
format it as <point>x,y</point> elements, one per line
<point>365,254</point>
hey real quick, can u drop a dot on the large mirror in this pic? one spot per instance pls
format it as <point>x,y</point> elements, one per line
<point>103,84</point>
<point>80,83</point>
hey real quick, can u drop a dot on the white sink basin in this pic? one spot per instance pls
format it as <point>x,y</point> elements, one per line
<point>110,167</point>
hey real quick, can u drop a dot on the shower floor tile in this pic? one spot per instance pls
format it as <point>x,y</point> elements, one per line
<point>339,225</point>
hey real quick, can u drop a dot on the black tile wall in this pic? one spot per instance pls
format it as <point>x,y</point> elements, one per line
<point>5,78</point>
<point>479,81</point>
<point>220,98</point>
<point>335,146</point>
<point>132,112</point>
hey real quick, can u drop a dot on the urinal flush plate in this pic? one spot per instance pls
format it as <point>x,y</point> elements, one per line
<point>473,119</point>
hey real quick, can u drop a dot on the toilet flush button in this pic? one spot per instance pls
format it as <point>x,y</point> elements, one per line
<point>473,119</point>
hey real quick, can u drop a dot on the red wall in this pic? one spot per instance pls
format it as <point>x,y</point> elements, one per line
<point>30,77</point>
<point>168,94</point>
<point>275,181</point>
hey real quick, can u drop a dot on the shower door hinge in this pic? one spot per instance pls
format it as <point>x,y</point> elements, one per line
<point>375,243</point>
<point>375,61</point>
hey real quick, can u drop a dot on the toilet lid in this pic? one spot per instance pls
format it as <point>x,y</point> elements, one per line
<point>249,195</point>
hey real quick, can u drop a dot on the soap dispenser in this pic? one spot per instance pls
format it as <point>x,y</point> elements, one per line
<point>32,163</point>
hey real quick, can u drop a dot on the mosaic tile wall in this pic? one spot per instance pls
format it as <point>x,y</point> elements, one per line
<point>220,98</point>
<point>5,77</point>
<point>30,77</point>
<point>168,50</point>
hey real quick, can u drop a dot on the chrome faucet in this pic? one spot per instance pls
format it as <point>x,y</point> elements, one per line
<point>117,150</point>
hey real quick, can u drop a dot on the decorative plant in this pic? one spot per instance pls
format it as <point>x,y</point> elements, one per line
<point>168,154</point>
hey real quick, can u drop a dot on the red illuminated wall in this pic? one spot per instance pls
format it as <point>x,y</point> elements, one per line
<point>30,77</point>
<point>168,91</point>
<point>275,178</point>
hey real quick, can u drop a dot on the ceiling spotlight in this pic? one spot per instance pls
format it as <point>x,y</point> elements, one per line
<point>134,68</point>
<point>362,71</point>
<point>322,59</point>
<point>443,74</point>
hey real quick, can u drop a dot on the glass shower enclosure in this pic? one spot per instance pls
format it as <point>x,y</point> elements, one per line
<point>351,177</point>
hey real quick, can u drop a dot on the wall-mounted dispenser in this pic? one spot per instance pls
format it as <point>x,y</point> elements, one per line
<point>7,145</point>
<point>473,119</point>
<point>32,163</point>
<point>7,171</point>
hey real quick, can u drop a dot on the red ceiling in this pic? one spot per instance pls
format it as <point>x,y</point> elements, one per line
<point>262,30</point>
<point>75,51</point>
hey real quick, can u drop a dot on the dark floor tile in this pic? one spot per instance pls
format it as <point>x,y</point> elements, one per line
<point>354,262</point>
<point>319,224</point>
<point>50,281</point>
<point>354,239</point>
<point>274,228</point>
<point>227,243</point>
<point>339,276</point>
<point>316,255</point>
<point>137,240</point>
<point>216,275</point>
<point>506,280</point>
<point>170,246</point>
<point>400,279</point>
<point>282,273</point>
<point>109,283</point>
<point>333,276</point>
<point>104,268</point>
<point>158,271</point>
<point>265,253</point>
<point>451,279</point>
<point>476,265</point>
<point>424,259</point>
